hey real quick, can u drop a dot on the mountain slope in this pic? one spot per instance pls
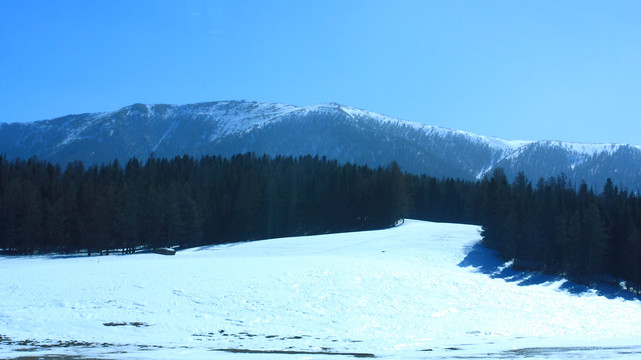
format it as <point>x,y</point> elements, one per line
<point>339,132</point>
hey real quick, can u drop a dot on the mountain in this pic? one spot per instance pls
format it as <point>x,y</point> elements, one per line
<point>332,130</point>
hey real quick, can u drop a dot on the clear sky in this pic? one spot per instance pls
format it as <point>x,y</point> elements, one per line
<point>527,70</point>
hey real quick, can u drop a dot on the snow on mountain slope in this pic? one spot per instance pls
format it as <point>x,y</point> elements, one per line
<point>339,132</point>
<point>230,116</point>
<point>494,142</point>
<point>240,116</point>
<point>421,289</point>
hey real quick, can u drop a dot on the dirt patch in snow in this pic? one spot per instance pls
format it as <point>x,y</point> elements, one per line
<point>296,352</point>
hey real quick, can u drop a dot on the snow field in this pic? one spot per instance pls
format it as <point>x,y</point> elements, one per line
<point>405,292</point>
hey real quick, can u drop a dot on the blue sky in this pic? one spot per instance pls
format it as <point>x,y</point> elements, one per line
<point>532,70</point>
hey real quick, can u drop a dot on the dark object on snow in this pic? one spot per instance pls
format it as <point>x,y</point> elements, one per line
<point>136,324</point>
<point>165,251</point>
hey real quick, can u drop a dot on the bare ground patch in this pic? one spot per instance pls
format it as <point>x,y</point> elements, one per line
<point>297,352</point>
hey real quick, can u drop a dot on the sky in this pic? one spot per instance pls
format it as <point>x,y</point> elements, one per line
<point>522,70</point>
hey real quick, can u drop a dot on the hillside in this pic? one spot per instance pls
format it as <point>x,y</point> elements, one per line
<point>415,290</point>
<point>332,130</point>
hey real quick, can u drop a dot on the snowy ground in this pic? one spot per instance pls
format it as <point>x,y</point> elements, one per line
<point>421,290</point>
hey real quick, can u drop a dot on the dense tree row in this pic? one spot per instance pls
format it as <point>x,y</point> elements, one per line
<point>552,227</point>
<point>556,228</point>
<point>189,202</point>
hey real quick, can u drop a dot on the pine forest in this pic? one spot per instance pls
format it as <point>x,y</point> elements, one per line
<point>554,226</point>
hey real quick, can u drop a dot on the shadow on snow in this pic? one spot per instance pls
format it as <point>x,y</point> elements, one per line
<point>488,262</point>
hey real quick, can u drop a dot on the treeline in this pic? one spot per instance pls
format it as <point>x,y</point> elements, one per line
<point>553,226</point>
<point>186,202</point>
<point>559,229</point>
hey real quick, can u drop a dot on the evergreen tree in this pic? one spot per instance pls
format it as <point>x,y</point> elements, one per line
<point>186,202</point>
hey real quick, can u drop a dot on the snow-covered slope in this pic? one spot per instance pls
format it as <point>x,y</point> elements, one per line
<point>419,290</point>
<point>340,132</point>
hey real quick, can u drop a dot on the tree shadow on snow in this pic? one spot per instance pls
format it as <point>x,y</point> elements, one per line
<point>487,261</point>
<point>609,291</point>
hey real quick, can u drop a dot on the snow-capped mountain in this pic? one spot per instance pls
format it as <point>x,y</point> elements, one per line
<point>332,130</point>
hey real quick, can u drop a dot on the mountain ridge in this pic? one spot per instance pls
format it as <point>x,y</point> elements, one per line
<point>327,129</point>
